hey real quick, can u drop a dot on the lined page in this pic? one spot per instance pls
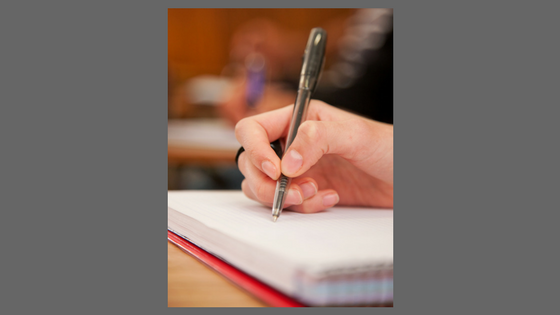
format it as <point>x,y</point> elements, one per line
<point>340,236</point>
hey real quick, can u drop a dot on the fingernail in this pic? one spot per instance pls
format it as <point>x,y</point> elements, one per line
<point>269,169</point>
<point>294,197</point>
<point>309,190</point>
<point>292,162</point>
<point>330,200</point>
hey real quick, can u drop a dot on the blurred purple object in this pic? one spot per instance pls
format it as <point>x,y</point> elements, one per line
<point>256,74</point>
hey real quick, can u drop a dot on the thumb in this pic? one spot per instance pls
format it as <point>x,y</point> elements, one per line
<point>351,139</point>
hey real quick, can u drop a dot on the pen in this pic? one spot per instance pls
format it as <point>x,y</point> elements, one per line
<point>313,60</point>
<point>256,74</point>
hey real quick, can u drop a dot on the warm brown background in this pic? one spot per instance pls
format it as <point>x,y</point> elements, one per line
<point>199,39</point>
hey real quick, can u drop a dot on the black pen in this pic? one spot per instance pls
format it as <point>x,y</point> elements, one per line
<point>313,60</point>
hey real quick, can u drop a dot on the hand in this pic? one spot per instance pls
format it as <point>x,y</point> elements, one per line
<point>336,158</point>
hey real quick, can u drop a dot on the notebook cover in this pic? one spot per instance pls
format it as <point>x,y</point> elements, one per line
<point>258,289</point>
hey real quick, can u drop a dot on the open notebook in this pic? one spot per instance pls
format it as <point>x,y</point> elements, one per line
<point>342,256</point>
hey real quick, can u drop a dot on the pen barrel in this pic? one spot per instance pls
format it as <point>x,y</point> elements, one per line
<point>299,115</point>
<point>310,72</point>
<point>313,61</point>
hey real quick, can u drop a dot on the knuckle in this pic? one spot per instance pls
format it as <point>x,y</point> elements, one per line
<point>255,156</point>
<point>240,126</point>
<point>310,131</point>
<point>314,135</point>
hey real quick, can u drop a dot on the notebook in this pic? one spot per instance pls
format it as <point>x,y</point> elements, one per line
<point>338,257</point>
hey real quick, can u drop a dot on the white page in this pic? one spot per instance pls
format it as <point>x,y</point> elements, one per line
<point>338,237</point>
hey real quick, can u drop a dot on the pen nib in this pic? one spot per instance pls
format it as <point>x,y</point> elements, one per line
<point>274,218</point>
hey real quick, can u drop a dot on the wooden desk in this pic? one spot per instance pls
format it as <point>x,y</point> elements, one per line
<point>207,142</point>
<point>201,141</point>
<point>191,284</point>
<point>181,155</point>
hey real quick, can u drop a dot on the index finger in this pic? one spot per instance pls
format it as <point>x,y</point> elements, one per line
<point>255,134</point>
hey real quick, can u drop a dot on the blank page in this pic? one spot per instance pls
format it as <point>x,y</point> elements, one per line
<point>340,237</point>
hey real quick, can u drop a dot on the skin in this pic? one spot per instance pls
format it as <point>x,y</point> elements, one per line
<point>340,158</point>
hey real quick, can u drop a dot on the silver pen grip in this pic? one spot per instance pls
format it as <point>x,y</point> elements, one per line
<point>280,194</point>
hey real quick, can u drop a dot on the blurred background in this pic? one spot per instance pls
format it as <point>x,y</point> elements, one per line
<point>226,64</point>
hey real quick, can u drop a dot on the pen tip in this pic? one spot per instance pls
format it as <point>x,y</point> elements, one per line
<point>274,218</point>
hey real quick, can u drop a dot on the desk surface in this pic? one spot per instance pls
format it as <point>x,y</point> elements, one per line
<point>202,141</point>
<point>191,284</point>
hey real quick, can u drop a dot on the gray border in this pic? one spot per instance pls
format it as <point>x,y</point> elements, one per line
<point>84,162</point>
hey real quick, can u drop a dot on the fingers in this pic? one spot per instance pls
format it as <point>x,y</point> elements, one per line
<point>322,200</point>
<point>255,134</point>
<point>351,139</point>
<point>260,187</point>
<point>307,185</point>
<point>365,143</point>
<point>328,130</point>
<point>315,200</point>
<point>303,195</point>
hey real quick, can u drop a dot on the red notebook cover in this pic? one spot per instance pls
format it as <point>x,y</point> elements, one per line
<point>260,290</point>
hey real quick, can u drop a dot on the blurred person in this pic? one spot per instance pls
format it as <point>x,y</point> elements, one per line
<point>359,81</point>
<point>336,158</point>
